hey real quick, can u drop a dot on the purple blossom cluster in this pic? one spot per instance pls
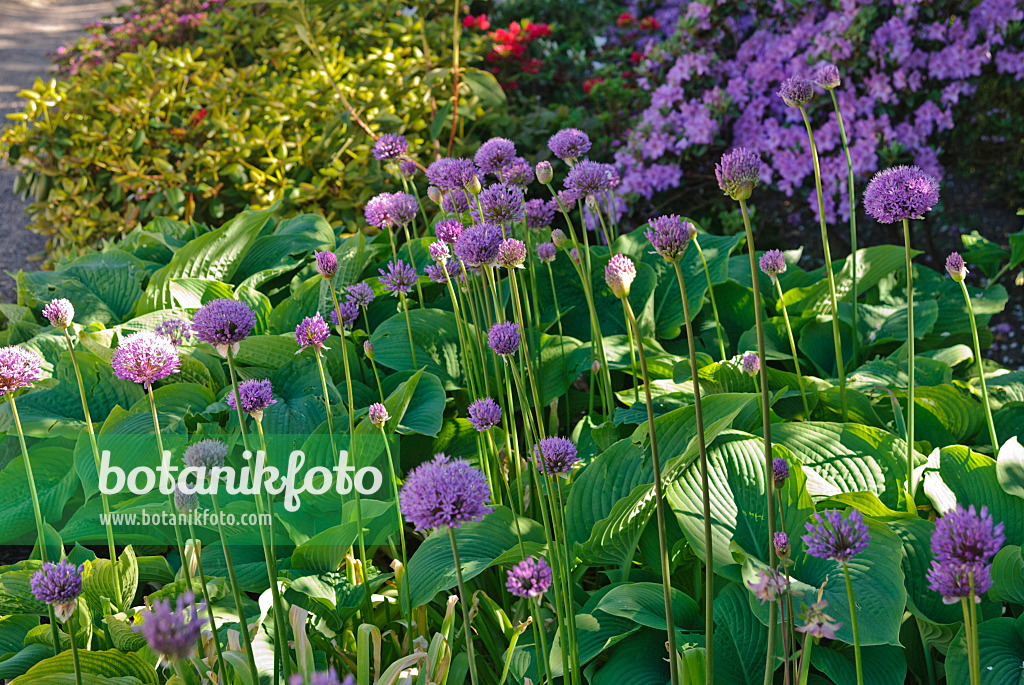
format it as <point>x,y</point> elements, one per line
<point>963,544</point>
<point>444,492</point>
<point>172,630</point>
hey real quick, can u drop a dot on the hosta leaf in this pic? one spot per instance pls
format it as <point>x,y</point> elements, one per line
<point>644,603</point>
<point>436,340</point>
<point>109,664</point>
<point>1001,647</point>
<point>883,664</point>
<point>873,263</point>
<point>623,666</point>
<point>1008,576</point>
<point>741,640</point>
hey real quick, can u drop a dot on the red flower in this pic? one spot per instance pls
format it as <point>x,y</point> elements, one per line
<point>625,19</point>
<point>539,31</point>
<point>483,23</point>
<point>198,116</point>
<point>589,84</point>
<point>650,24</point>
<point>468,21</point>
<point>532,65</point>
<point>636,56</point>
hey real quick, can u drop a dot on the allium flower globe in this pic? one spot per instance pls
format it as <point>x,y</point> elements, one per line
<point>589,178</point>
<point>503,338</point>
<point>58,585</point>
<point>390,146</point>
<point>178,331</point>
<point>772,263</point>
<point>390,210</point>
<point>19,368</point>
<point>569,144</point>
<point>378,414</point>
<point>484,414</point>
<point>224,324</point>
<point>60,313</point>
<point>555,456</point>
<point>452,173</point>
<point>439,251</point>
<point>255,394</point>
<point>349,313</point>
<point>900,193</point>
<point>796,91</point>
<point>399,278</point>
<point>502,203</point>
<point>539,213</point>
<point>478,245</point>
<point>547,252</point>
<point>512,253</point>
<point>967,536</point>
<point>751,363</point>
<point>670,236</point>
<point>170,631</point>
<point>206,454</point>
<point>185,502</point>
<point>619,275</point>
<point>530,578</point>
<point>444,492</point>
<point>360,294</point>
<point>495,154</point>
<point>145,358</point>
<point>448,230</point>
<point>832,536</point>
<point>312,332</point>
<point>408,168</point>
<point>955,267</point>
<point>518,172</point>
<point>326,263</point>
<point>738,173</point>
<point>827,76</point>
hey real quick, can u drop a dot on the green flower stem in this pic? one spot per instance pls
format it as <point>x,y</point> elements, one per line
<point>828,268</point>
<point>666,578</point>
<point>465,607</point>
<point>74,650</point>
<point>40,526</point>
<point>785,642</point>
<point>853,220</point>
<point>973,635</point>
<point>805,659</point>
<point>910,360</point>
<point>412,260</point>
<point>767,427</point>
<point>561,338</point>
<point>632,359</point>
<point>398,514</point>
<point>853,622</point>
<point>209,605</point>
<point>792,346</point>
<point>972,665</point>
<point>391,238</point>
<point>981,371</point>
<point>711,294</point>
<point>539,630</point>
<point>709,557</point>
<point>237,592</point>
<point>408,327</point>
<point>96,459</point>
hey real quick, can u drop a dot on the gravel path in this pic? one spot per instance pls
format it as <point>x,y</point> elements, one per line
<point>28,30</point>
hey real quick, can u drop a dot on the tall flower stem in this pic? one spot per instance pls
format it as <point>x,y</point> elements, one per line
<point>666,580</point>
<point>398,513</point>
<point>853,219</point>
<point>828,267</point>
<point>910,359</point>
<point>632,361</point>
<point>465,607</point>
<point>792,345</point>
<point>38,512</point>
<point>711,294</point>
<point>539,626</point>
<point>408,326</point>
<point>981,371</point>
<point>767,427</point>
<point>412,260</point>
<point>209,605</point>
<point>561,337</point>
<point>973,633</point>
<point>170,498</point>
<point>805,659</point>
<point>74,650</point>
<point>853,623</point>
<point>709,557</point>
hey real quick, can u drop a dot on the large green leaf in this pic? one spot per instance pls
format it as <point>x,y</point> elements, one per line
<point>873,263</point>
<point>644,603</point>
<point>436,341</point>
<point>292,240</point>
<point>426,406</point>
<point>1001,647</point>
<point>109,664</point>
<point>741,640</point>
<point>1008,576</point>
<point>882,664</point>
<point>624,666</point>
<point>55,480</point>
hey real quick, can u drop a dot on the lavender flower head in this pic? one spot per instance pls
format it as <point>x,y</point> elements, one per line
<point>827,76</point>
<point>502,203</point>
<point>360,294</point>
<point>349,313</point>
<point>900,193</point>
<point>530,578</point>
<point>773,263</point>
<point>389,210</point>
<point>390,146</point>
<point>436,273</point>
<point>378,414</point>
<point>569,144</point>
<point>819,624</point>
<point>444,492</point>
<point>770,585</point>
<point>185,502</point>
<point>224,324</point>
<point>484,414</point>
<point>209,453</point>
<point>955,267</point>
<point>326,263</point>
<point>555,456</point>
<point>589,178</point>
<point>18,368</point>
<point>448,230</point>
<point>495,154</point>
<point>738,173</point>
<point>781,544</point>
<point>780,471</point>
<point>439,251</point>
<point>312,332</point>
<point>547,252</point>
<point>398,279</point>
<point>512,253</point>
<point>255,394</point>
<point>60,313</point>
<point>177,331</point>
<point>619,275</point>
<point>966,536</point>
<point>539,214</point>
<point>452,173</point>
<point>172,632</point>
<point>751,363</point>
<point>59,585</point>
<point>518,172</point>
<point>796,91</point>
<point>831,536</point>
<point>145,358</point>
<point>478,245</point>
<point>670,236</point>
<point>956,581</point>
<point>503,338</point>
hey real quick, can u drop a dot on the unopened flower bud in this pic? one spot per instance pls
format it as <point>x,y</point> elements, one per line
<point>474,185</point>
<point>544,172</point>
<point>368,349</point>
<point>434,193</point>
<point>558,237</point>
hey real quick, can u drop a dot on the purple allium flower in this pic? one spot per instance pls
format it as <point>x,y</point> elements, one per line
<point>177,331</point>
<point>574,255</point>
<point>185,502</point>
<point>399,278</point>
<point>568,197</point>
<point>544,172</point>
<point>569,144</point>
<point>312,332</point>
<point>210,453</point>
<point>439,251</point>
<point>504,338</point>
<point>59,312</point>
<point>555,456</point>
<point>408,168</point>
<point>484,414</point>
<point>378,414</point>
<point>670,236</point>
<point>595,366</point>
<point>539,214</point>
<point>954,581</point>
<point>18,368</point>
<point>436,273</point>
<point>558,237</point>
<point>512,253</point>
<point>770,585</point>
<point>478,245</point>
<point>819,624</point>
<point>955,267</point>
<point>349,314</point>
<point>833,537</point>
<point>59,585</point>
<point>326,263</point>
<point>172,632</point>
<point>781,544</point>
<point>530,578</point>
<point>368,349</point>
<point>518,172</point>
<point>145,358</point>
<point>255,395</point>
<point>619,274</point>
<point>738,173</point>
<point>780,472</point>
<point>390,146</point>
<point>773,263</point>
<point>900,193</point>
<point>796,91</point>
<point>444,492</point>
<point>452,173</point>
<point>751,363</point>
<point>502,203</point>
<point>389,210</point>
<point>547,252</point>
<point>495,154</point>
<point>360,294</point>
<point>589,178</point>
<point>827,76</point>
<point>965,536</point>
<point>223,323</point>
<point>448,230</point>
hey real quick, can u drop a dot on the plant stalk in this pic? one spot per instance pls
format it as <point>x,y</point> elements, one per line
<point>981,371</point>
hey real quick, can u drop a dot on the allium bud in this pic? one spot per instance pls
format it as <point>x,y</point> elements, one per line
<point>827,76</point>
<point>378,414</point>
<point>512,253</point>
<point>547,252</point>
<point>408,168</point>
<point>574,255</point>
<point>782,545</point>
<point>185,502</point>
<point>558,237</point>
<point>474,186</point>
<point>738,173</point>
<point>439,251</point>
<point>544,172</point>
<point>773,263</point>
<point>619,275</point>
<point>796,91</point>
<point>368,349</point>
<point>780,472</point>
<point>434,193</point>
<point>956,267</point>
<point>595,366</point>
<point>326,264</point>
<point>751,363</point>
<point>59,312</point>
